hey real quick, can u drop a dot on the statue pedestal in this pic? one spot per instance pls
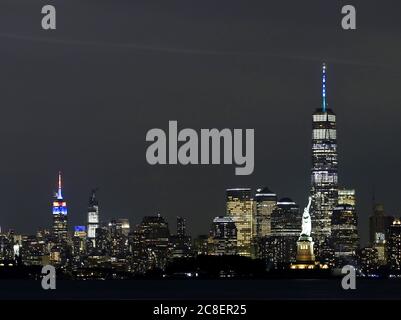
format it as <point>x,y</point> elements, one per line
<point>305,250</point>
<point>305,255</point>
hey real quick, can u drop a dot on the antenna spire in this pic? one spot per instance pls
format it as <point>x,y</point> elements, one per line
<point>59,195</point>
<point>324,87</point>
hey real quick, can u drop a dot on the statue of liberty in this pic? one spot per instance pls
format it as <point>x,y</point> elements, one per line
<point>305,256</point>
<point>306,220</point>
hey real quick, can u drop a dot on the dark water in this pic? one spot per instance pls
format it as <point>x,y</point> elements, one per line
<point>202,289</point>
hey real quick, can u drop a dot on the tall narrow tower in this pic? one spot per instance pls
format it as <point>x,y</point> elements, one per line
<point>93,216</point>
<point>59,213</point>
<point>239,207</point>
<point>265,203</point>
<point>324,173</point>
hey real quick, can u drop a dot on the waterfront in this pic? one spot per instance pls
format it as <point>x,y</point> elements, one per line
<point>296,289</point>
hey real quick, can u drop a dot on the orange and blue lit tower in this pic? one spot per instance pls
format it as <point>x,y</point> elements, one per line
<point>59,213</point>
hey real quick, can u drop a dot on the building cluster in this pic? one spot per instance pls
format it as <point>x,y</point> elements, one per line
<point>257,224</point>
<point>260,225</point>
<point>269,228</point>
<point>97,246</point>
<point>384,250</point>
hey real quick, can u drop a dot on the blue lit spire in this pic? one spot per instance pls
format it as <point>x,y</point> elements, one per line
<point>324,87</point>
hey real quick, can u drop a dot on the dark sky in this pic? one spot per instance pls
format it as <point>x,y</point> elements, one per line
<point>81,99</point>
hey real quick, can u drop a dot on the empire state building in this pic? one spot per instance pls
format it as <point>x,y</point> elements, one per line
<point>59,214</point>
<point>324,172</point>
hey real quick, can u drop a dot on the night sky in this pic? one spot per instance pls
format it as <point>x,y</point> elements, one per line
<point>82,98</point>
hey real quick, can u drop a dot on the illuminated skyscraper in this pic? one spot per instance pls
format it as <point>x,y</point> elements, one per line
<point>150,244</point>
<point>103,242</point>
<point>181,227</point>
<point>394,245</point>
<point>280,247</point>
<point>118,230</point>
<point>324,173</point>
<point>223,237</point>
<point>120,225</point>
<point>59,214</point>
<point>6,246</point>
<point>181,243</point>
<point>286,219</point>
<point>240,208</point>
<point>265,202</point>
<point>379,224</point>
<point>79,242</point>
<point>93,217</point>
<point>344,228</point>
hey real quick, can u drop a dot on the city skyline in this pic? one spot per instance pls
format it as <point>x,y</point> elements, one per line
<point>324,186</point>
<point>59,205</point>
<point>203,158</point>
<point>259,230</point>
<point>262,227</point>
<point>94,205</point>
<point>233,65</point>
